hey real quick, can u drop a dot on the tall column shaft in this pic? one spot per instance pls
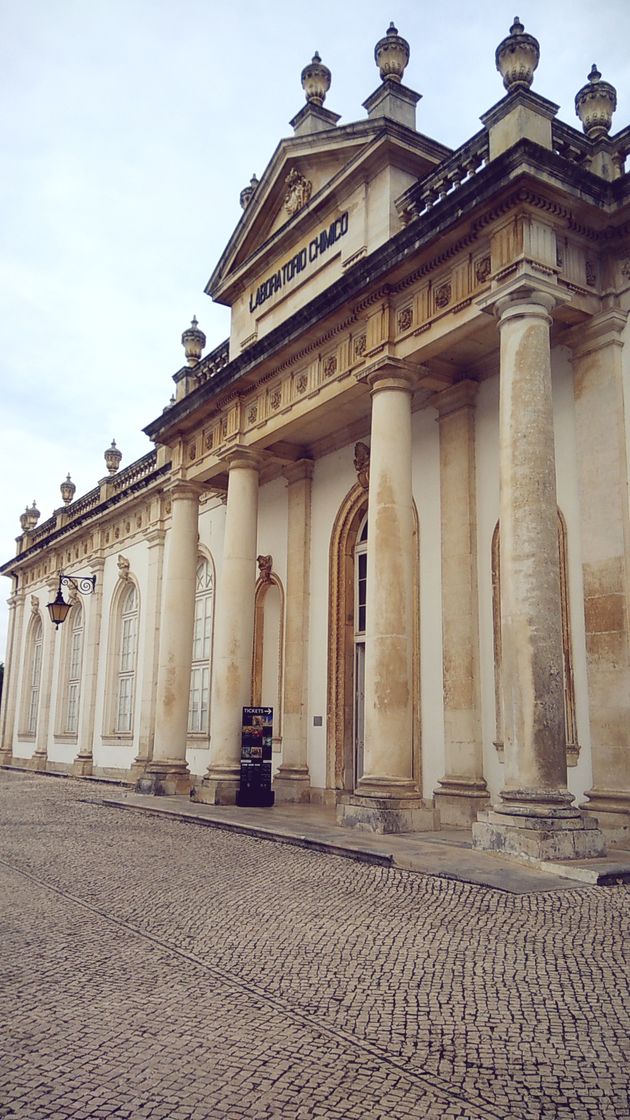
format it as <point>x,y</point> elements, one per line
<point>83,762</point>
<point>168,771</point>
<point>535,817</point>
<point>11,675</point>
<point>292,782</point>
<point>386,798</point>
<point>531,623</point>
<point>462,790</point>
<point>600,412</point>
<point>234,632</point>
<point>151,612</point>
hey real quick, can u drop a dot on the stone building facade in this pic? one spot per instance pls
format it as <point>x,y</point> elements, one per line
<point>393,505</point>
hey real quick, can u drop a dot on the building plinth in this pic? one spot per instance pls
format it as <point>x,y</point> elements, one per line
<point>386,814</point>
<point>82,766</point>
<point>459,800</point>
<point>538,838</point>
<point>165,778</point>
<point>292,784</point>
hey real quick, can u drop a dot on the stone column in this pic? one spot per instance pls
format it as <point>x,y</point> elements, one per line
<point>292,781</point>
<point>93,607</point>
<point>168,773</point>
<point>11,675</point>
<point>39,759</point>
<point>234,632</point>
<point>535,817</point>
<point>600,412</point>
<point>151,620</point>
<point>462,791</point>
<point>387,798</point>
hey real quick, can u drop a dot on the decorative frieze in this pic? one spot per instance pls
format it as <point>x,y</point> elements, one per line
<point>404,319</point>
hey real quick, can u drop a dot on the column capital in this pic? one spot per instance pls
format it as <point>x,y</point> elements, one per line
<point>601,330</point>
<point>182,490</point>
<point>463,394</point>
<point>241,458</point>
<point>298,471</point>
<point>390,373</point>
<point>523,294</point>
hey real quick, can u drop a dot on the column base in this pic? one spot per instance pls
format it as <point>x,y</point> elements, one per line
<point>36,762</point>
<point>386,814</point>
<point>138,769</point>
<point>538,838</point>
<point>218,787</point>
<point>6,757</point>
<point>82,766</point>
<point>611,809</point>
<point>293,784</point>
<point>165,779</point>
<point>458,800</point>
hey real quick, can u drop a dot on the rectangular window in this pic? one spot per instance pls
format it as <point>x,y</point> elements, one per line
<point>123,709</point>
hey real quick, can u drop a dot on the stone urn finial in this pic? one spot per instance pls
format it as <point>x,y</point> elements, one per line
<point>68,490</point>
<point>517,57</point>
<point>595,104</point>
<point>391,55</point>
<point>247,192</point>
<point>316,79</point>
<point>193,341</point>
<point>30,517</point>
<point>112,458</point>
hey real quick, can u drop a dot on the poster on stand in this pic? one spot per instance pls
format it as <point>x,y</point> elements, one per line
<point>256,747</point>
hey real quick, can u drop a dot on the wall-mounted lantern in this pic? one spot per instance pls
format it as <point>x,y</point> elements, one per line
<point>58,609</point>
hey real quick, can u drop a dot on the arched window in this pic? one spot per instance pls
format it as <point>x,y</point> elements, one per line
<point>73,656</point>
<point>34,670</point>
<point>127,650</point>
<point>199,698</point>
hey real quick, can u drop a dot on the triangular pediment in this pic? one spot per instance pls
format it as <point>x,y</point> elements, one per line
<point>303,178</point>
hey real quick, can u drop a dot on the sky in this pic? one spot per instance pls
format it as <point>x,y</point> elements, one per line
<point>128,129</point>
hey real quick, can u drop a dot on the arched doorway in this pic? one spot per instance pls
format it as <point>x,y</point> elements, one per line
<point>346,650</point>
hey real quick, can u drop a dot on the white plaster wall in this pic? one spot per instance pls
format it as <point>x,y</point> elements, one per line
<point>426,492</point>
<point>119,755</point>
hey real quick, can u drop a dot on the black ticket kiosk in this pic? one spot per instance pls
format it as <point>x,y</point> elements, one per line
<point>256,746</point>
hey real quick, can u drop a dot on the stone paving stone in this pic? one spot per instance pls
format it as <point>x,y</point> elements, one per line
<point>151,969</point>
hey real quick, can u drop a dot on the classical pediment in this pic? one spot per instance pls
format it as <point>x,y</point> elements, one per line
<point>310,182</point>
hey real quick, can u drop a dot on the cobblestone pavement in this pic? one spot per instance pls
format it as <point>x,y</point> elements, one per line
<point>154,970</point>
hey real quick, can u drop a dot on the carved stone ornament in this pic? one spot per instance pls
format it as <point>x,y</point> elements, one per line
<point>405,319</point>
<point>330,365</point>
<point>275,398</point>
<point>517,57</point>
<point>224,427</point>
<point>299,191</point>
<point>443,295</point>
<point>362,464</point>
<point>595,104</point>
<point>360,345</point>
<point>624,268</point>
<point>209,439</point>
<point>252,415</point>
<point>30,517</point>
<point>265,564</point>
<point>316,80</point>
<point>68,490</point>
<point>73,595</point>
<point>112,457</point>
<point>123,567</point>
<point>247,192</point>
<point>591,273</point>
<point>193,341</point>
<point>192,451</point>
<point>391,55</point>
<point>301,382</point>
<point>482,270</point>
<point>34,604</point>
